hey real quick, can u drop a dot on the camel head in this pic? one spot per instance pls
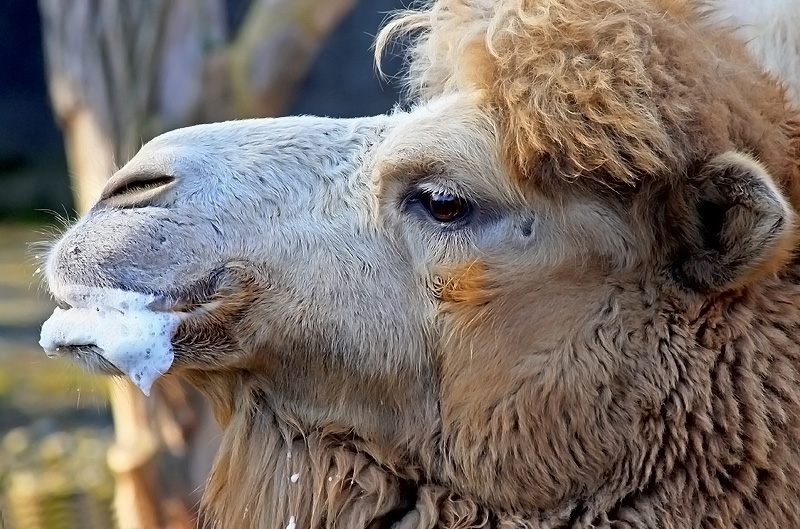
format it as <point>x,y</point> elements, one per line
<point>556,289</point>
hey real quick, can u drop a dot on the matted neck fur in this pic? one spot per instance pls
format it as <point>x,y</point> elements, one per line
<point>558,292</point>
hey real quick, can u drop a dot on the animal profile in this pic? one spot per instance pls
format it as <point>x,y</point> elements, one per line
<point>559,290</point>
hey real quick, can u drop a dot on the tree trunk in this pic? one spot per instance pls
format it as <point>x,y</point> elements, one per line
<point>119,73</point>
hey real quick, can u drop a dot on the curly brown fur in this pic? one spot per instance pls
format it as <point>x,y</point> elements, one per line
<point>611,90</point>
<point>668,413</point>
<point>631,405</point>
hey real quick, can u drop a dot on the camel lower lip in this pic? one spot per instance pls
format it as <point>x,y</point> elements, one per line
<point>71,350</point>
<point>88,355</point>
<point>123,331</point>
<point>114,325</point>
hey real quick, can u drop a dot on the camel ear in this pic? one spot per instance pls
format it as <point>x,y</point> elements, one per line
<point>737,225</point>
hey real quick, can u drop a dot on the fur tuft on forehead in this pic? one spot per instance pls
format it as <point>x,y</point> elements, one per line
<point>609,90</point>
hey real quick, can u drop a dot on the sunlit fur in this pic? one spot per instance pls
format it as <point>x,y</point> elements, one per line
<point>608,337</point>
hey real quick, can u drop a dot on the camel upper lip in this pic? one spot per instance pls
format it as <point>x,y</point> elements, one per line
<point>161,303</point>
<point>184,299</point>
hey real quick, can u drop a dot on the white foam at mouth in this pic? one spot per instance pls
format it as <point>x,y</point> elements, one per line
<point>129,335</point>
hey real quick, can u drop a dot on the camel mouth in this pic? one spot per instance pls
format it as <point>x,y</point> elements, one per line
<point>183,300</point>
<point>89,319</point>
<point>194,297</point>
<point>163,303</point>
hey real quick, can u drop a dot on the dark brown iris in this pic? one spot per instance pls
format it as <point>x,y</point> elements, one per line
<point>444,206</point>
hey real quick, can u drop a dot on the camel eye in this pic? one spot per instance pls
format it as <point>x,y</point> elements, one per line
<point>444,206</point>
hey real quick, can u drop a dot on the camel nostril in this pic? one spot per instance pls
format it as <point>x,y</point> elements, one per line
<point>134,189</point>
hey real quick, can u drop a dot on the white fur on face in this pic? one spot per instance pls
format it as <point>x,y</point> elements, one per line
<point>236,182</point>
<point>324,212</point>
<point>291,198</point>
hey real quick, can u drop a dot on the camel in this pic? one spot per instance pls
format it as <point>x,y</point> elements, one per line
<point>559,290</point>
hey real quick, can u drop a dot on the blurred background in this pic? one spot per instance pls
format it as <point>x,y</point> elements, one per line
<point>83,84</point>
